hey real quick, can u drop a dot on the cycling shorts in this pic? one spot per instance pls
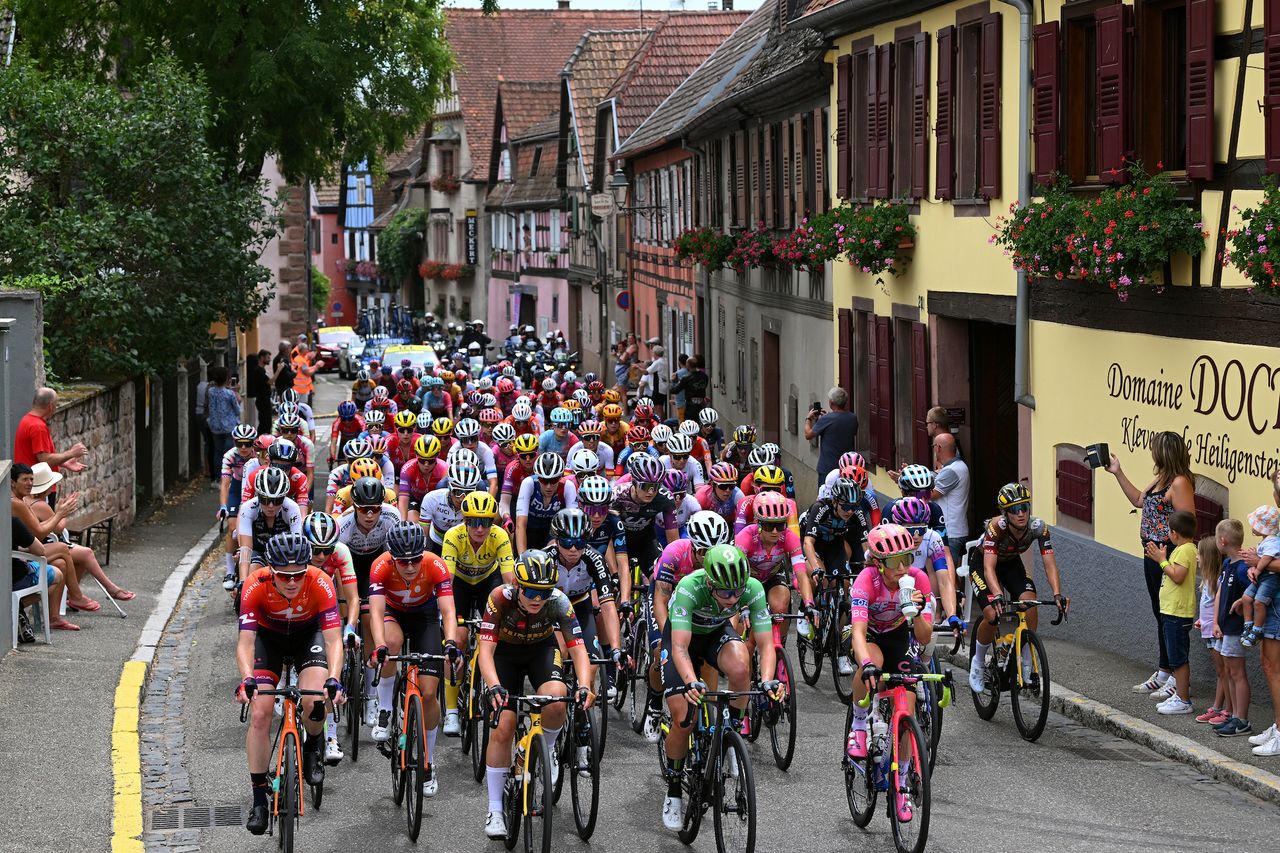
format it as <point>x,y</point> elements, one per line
<point>421,634</point>
<point>540,662</point>
<point>1014,576</point>
<point>895,646</point>
<point>703,649</point>
<point>470,598</point>
<point>271,650</point>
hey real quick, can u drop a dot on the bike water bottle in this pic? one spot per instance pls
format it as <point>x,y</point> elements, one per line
<point>879,732</point>
<point>907,586</point>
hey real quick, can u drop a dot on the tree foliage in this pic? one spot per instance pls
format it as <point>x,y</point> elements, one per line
<point>114,206</point>
<point>314,83</point>
<point>400,244</point>
<point>321,287</point>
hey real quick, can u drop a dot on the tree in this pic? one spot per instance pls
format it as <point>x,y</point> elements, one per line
<point>400,244</point>
<point>115,207</point>
<point>313,83</point>
<point>321,286</point>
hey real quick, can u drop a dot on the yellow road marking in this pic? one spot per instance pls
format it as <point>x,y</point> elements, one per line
<point>126,767</point>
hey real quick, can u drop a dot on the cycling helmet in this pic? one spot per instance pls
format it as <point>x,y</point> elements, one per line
<point>364,468</point>
<point>591,427</point>
<point>464,478</point>
<point>745,434</point>
<point>424,420</point>
<point>448,376</point>
<point>726,567</point>
<point>502,433</point>
<point>490,416</point>
<point>771,506</point>
<point>638,434</point>
<point>375,417</point>
<point>288,549</point>
<point>759,456</point>
<point>484,383</point>
<point>505,385</point>
<point>521,410</point>
<point>271,484</point>
<point>910,511</point>
<point>479,505</point>
<point>362,375</point>
<point>347,410</point>
<point>644,468</point>
<point>548,384</point>
<point>1013,495</point>
<point>358,448</point>
<point>288,395</point>
<point>378,444</point>
<point>368,491</point>
<point>441,427</point>
<point>289,422</point>
<point>708,529</point>
<point>773,450</point>
<point>535,568</point>
<point>406,420</point>
<point>844,490</point>
<point>723,472</point>
<point>570,524</point>
<point>462,375</point>
<point>467,428</point>
<point>283,451</point>
<point>611,395</point>
<point>680,445</point>
<point>708,417</point>
<point>488,401</point>
<point>642,412</point>
<point>595,491</point>
<point>851,457</point>
<point>583,462</point>
<point>560,416</point>
<point>570,405</point>
<point>570,376</point>
<point>582,397</point>
<point>406,541</point>
<point>675,481</point>
<point>886,540</point>
<point>595,386</point>
<point>549,466</point>
<point>915,478</point>
<point>263,442</point>
<point>527,443</point>
<point>646,402</point>
<point>661,434</point>
<point>287,409</point>
<point>243,432</point>
<point>380,392</point>
<point>433,382</point>
<point>463,456</point>
<point>404,386</point>
<point>426,448</point>
<point>857,474</point>
<point>611,412</point>
<point>320,529</point>
<point>689,428</point>
<point>770,476</point>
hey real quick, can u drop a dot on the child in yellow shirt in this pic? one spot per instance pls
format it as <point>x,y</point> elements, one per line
<point>1178,605</point>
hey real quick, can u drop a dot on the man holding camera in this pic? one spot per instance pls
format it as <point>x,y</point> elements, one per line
<point>835,430</point>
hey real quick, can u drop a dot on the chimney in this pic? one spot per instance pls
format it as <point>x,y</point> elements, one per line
<point>562,4</point>
<point>713,5</point>
<point>677,5</point>
<point>727,5</point>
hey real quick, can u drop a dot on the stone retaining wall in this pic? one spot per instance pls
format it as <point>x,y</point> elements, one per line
<point>103,418</point>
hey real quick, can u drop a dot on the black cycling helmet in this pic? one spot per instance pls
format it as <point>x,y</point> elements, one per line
<point>1013,495</point>
<point>368,491</point>
<point>271,484</point>
<point>570,524</point>
<point>288,549</point>
<point>283,451</point>
<point>536,569</point>
<point>406,541</point>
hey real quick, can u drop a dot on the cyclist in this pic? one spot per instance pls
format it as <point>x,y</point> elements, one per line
<point>558,439</point>
<point>1004,576</point>
<point>677,486</point>
<point>585,579</point>
<point>832,535</point>
<point>503,441</point>
<point>605,534</point>
<point>637,442</point>
<point>523,419</point>
<point>229,487</point>
<point>467,433</point>
<point>334,559</point>
<point>304,411</point>
<point>678,458</point>
<point>282,455</point>
<point>549,399</point>
<point>589,435</point>
<point>364,527</point>
<point>289,611</point>
<point>517,640</point>
<point>614,431</point>
<point>443,506</point>
<point>289,427</point>
<point>721,494</point>
<point>526,449</point>
<point>401,450</point>
<point>916,481</point>
<point>360,468</point>
<point>660,435</point>
<point>850,457</point>
<point>362,389</point>
<point>583,463</point>
<point>643,508</point>
<point>442,428</point>
<point>478,554</point>
<point>931,555</point>
<point>541,497</point>
<point>268,512</point>
<point>347,426</point>
<point>774,554</point>
<point>381,402</point>
<point>769,479</point>
<point>411,598</point>
<point>700,631</point>
<point>711,434</point>
<point>339,476</point>
<point>739,450</point>
<point>420,475</point>
<point>434,399</point>
<point>404,398</point>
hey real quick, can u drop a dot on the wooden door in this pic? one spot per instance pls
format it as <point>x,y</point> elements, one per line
<point>770,389</point>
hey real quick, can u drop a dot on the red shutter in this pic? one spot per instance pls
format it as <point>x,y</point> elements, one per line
<point>920,117</point>
<point>1075,490</point>
<point>845,350</point>
<point>944,128</point>
<point>989,108</point>
<point>1200,16</point>
<point>1208,513</point>
<point>881,413</point>
<point>1271,87</point>
<point>740,177</point>
<point>844,83</point>
<point>819,161</point>
<point>770,200</point>
<point>798,201</point>
<point>1113,90</point>
<point>882,171</point>
<point>921,443</point>
<point>1045,84</point>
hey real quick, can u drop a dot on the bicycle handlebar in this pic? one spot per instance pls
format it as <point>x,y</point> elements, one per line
<point>904,679</point>
<point>1024,605</point>
<point>293,692</point>
<point>415,658</point>
<point>720,696</point>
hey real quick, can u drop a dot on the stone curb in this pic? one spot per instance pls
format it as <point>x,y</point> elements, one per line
<point>1096,715</point>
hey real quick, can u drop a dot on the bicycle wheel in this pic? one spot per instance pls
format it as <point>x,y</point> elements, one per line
<point>415,771</point>
<point>399,778</point>
<point>664,728</point>
<point>1029,699</point>
<point>782,726</point>
<point>810,653</point>
<point>735,798</point>
<point>639,675</point>
<point>512,794</point>
<point>478,723</point>
<point>692,793</point>
<point>839,645</point>
<point>354,683</point>
<point>466,736</point>
<point>988,700</point>
<point>584,781</point>
<point>537,807</point>
<point>621,679</point>
<point>599,711</point>
<point>859,784</point>
<point>289,795</point>
<point>909,790</point>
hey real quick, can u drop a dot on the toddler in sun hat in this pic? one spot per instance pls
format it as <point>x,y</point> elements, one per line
<point>1265,577</point>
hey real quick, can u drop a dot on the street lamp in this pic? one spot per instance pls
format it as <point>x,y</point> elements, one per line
<point>621,187</point>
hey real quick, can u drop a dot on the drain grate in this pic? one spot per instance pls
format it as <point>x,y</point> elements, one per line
<point>196,817</point>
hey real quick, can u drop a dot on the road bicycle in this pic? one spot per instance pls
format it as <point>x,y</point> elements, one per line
<point>353,683</point>
<point>473,722</point>
<point>831,639</point>
<point>406,743</point>
<point>896,761</point>
<point>599,711</point>
<point>778,717</point>
<point>579,753</point>
<point>622,681</point>
<point>1017,664</point>
<point>527,797</point>
<point>641,659</point>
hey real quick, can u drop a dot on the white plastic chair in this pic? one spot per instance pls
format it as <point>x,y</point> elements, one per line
<point>41,588</point>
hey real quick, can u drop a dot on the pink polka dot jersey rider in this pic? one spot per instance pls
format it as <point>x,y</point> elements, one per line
<point>766,562</point>
<point>880,607</point>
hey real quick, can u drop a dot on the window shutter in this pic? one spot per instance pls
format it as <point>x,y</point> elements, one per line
<point>787,189</point>
<point>740,177</point>
<point>819,161</point>
<point>1113,24</point>
<point>920,117</point>
<point>798,202</point>
<point>1075,490</point>
<point>921,443</point>
<point>881,152</point>
<point>1271,91</point>
<point>1200,17</point>
<point>754,213</point>
<point>845,350</point>
<point>989,108</point>
<point>844,84</point>
<point>881,352</point>
<point>1045,84</point>
<point>944,127</point>
<point>770,190</point>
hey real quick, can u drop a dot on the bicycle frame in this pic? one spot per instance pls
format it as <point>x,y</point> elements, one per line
<point>900,699</point>
<point>1014,637</point>
<point>535,704</point>
<point>409,670</point>
<point>290,696</point>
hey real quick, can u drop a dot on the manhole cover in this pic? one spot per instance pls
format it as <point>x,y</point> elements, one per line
<point>196,817</point>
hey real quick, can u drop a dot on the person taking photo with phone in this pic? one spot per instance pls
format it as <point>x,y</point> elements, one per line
<point>835,430</point>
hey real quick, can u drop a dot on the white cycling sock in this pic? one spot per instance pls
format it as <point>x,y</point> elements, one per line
<point>368,681</point>
<point>980,653</point>
<point>231,564</point>
<point>859,719</point>
<point>551,735</point>
<point>431,744</point>
<point>386,694</point>
<point>330,726</point>
<point>495,778</point>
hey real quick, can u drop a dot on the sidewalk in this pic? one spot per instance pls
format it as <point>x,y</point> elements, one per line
<point>58,700</point>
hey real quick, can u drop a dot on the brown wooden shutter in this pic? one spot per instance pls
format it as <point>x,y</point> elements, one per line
<point>989,107</point>
<point>920,117</point>
<point>1045,84</point>
<point>881,410</point>
<point>753,192</point>
<point>787,188</point>
<point>1208,513</point>
<point>819,161</point>
<point>799,204</point>
<point>844,83</point>
<point>921,444</point>
<point>1075,490</point>
<point>881,169</point>
<point>944,127</point>
<point>1113,25</point>
<point>845,349</point>
<point>1271,85</point>
<point>740,177</point>
<point>1200,18</point>
<point>770,200</point>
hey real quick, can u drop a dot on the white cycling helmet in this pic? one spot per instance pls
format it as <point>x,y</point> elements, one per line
<point>708,529</point>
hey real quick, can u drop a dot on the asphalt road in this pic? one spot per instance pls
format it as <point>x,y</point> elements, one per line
<point>1073,790</point>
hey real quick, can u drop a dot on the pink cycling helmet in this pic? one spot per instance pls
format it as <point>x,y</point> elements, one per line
<point>886,540</point>
<point>771,506</point>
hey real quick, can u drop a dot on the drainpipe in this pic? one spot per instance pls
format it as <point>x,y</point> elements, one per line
<point>1022,321</point>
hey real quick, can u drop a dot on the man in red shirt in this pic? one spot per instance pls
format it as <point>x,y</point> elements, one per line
<point>33,442</point>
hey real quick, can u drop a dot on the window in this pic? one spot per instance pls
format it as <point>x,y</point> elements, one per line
<point>735,181</point>
<point>1162,89</point>
<point>966,114</point>
<point>440,239</point>
<point>537,159</point>
<point>555,308</point>
<point>720,322</point>
<point>903,84</point>
<point>504,165</point>
<point>970,59</point>
<point>1080,103</point>
<point>446,161</point>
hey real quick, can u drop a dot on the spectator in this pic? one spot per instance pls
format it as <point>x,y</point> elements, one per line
<point>951,491</point>
<point>24,572</point>
<point>835,430</point>
<point>304,369</point>
<point>260,388</point>
<point>222,410</point>
<point>1177,560</point>
<point>659,380</point>
<point>206,437</point>
<point>696,388</point>
<point>34,443</point>
<point>626,352</point>
<point>681,372</point>
<point>1173,489</point>
<point>282,369</point>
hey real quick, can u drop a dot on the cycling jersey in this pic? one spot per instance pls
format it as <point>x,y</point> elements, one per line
<point>642,519</point>
<point>606,456</point>
<point>692,470</point>
<point>880,607</point>
<point>338,566</point>
<point>233,466</point>
<point>439,404</point>
<point>540,509</point>
<point>488,465</point>
<point>747,514</point>
<point>443,514</point>
<point>308,416</point>
<point>297,482</point>
<point>343,431</point>
<point>315,606</point>
<point>514,477</point>
<point>341,476</point>
<point>416,484</point>
<point>388,406</point>
<point>419,596</point>
<point>788,484</point>
<point>616,440</point>
<point>623,455</point>
<point>364,542</point>
<point>506,621</point>
<point>1007,544</point>
<point>687,506</point>
<point>824,491</point>
<point>252,521</point>
<point>737,454</point>
<point>608,532</point>
<point>676,562</point>
<point>400,452</point>
<point>342,500</point>
<point>932,552</point>
<point>588,573</point>
<point>766,562</point>
<point>726,509</point>
<point>830,533</point>
<point>530,427</point>
<point>306,451</point>
<point>472,565</point>
<point>548,443</point>
<point>695,608</point>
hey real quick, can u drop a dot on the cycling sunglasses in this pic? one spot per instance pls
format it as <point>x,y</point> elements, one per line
<point>472,440</point>
<point>412,561</point>
<point>404,429</point>
<point>1018,509</point>
<point>244,444</point>
<point>917,529</point>
<point>728,594</point>
<point>898,561</point>
<point>679,457</point>
<point>589,437</point>
<point>647,487</point>
<point>320,551</point>
<point>270,501</point>
<point>478,523</point>
<point>528,456</point>
<point>289,577</point>
<point>572,544</point>
<point>772,526</point>
<point>537,593</point>
<point>723,485</point>
<point>596,510</point>
<point>370,510</point>
<point>846,507</point>
<point>549,481</point>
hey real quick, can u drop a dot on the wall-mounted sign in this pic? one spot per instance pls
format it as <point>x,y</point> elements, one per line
<point>602,204</point>
<point>624,300</point>
<point>473,249</point>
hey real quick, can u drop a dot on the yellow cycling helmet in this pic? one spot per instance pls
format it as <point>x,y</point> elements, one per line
<point>406,420</point>
<point>365,468</point>
<point>536,569</point>
<point>447,376</point>
<point>479,505</point>
<point>612,412</point>
<point>611,395</point>
<point>527,443</point>
<point>427,447</point>
<point>571,404</point>
<point>770,475</point>
<point>442,426</point>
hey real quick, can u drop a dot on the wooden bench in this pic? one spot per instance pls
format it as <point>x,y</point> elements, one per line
<point>89,529</point>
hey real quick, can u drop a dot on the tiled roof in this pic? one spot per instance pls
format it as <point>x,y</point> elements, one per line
<point>529,190</point>
<point>328,194</point>
<point>675,50</point>
<point>700,89</point>
<point>590,72</point>
<point>526,103</point>
<point>529,44</point>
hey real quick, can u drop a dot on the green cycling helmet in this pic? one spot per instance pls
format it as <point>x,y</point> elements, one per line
<point>726,567</point>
